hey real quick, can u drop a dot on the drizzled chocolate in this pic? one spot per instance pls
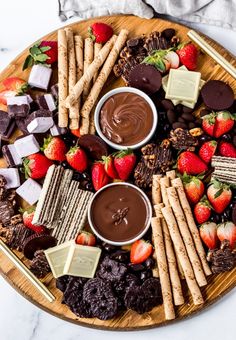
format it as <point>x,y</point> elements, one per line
<point>119,213</point>
<point>126,118</point>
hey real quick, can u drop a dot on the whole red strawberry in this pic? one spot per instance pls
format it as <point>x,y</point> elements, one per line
<point>202,211</point>
<point>109,166</point>
<point>100,32</point>
<point>190,163</point>
<point>227,150</point>
<point>36,165</point>
<point>208,233</point>
<point>207,151</point>
<point>77,158</point>
<point>219,195</point>
<point>188,55</point>
<point>44,52</point>
<point>140,251</point>
<point>194,188</point>
<point>227,231</point>
<point>86,239</point>
<point>15,84</point>
<point>224,122</point>
<point>208,123</point>
<point>6,94</point>
<point>28,216</point>
<point>124,162</point>
<point>99,176</point>
<point>54,148</point>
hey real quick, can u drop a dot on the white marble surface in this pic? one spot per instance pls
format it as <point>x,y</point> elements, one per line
<point>21,23</point>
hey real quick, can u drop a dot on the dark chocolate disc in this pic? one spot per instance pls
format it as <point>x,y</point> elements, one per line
<point>38,242</point>
<point>146,78</point>
<point>217,95</point>
<point>94,145</point>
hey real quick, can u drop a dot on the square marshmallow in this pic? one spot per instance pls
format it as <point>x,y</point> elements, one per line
<point>18,100</point>
<point>15,156</point>
<point>40,125</point>
<point>12,177</point>
<point>30,191</point>
<point>26,146</point>
<point>40,76</point>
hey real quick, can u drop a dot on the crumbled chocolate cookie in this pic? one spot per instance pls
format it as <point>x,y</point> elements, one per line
<point>6,212</point>
<point>182,140</point>
<point>16,236</point>
<point>39,264</point>
<point>223,259</point>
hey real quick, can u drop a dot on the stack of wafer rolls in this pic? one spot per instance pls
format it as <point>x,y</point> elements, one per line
<point>83,68</point>
<point>182,247</point>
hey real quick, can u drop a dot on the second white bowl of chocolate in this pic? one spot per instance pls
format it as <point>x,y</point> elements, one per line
<point>125,118</point>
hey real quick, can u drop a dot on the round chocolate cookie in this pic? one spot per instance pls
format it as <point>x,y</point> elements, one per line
<point>217,95</point>
<point>145,78</point>
<point>94,145</point>
<point>37,242</point>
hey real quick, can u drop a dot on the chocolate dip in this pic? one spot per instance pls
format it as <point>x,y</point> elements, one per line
<point>126,118</point>
<point>119,213</point>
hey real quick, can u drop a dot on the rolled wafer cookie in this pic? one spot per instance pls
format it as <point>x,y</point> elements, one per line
<point>171,259</point>
<point>156,189</point>
<point>163,268</point>
<point>97,49</point>
<point>79,57</point>
<point>178,184</point>
<point>164,184</point>
<point>171,174</point>
<point>186,236</point>
<point>90,71</point>
<point>88,58</point>
<point>182,254</point>
<point>102,78</point>
<point>62,78</point>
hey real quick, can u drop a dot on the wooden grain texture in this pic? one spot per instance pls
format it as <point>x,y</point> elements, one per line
<point>217,285</point>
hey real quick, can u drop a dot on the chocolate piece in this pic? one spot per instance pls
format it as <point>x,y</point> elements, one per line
<point>217,95</point>
<point>40,76</point>
<point>3,181</point>
<point>46,102</point>
<point>39,265</point>
<point>22,126</point>
<point>182,140</point>
<point>27,145</point>
<point>54,91</point>
<point>16,236</point>
<point>223,259</point>
<point>29,191</point>
<point>6,211</point>
<point>125,213</point>
<point>37,242</point>
<point>16,219</point>
<point>5,122</point>
<point>55,130</point>
<point>18,106</point>
<point>39,121</point>
<point>12,177</point>
<point>157,41</point>
<point>11,155</point>
<point>94,145</point>
<point>145,78</point>
<point>5,136</point>
<point>126,118</point>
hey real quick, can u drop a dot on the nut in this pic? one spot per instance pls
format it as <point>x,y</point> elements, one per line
<point>196,132</point>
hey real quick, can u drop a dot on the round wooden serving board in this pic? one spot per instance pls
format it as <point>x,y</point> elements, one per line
<point>218,285</point>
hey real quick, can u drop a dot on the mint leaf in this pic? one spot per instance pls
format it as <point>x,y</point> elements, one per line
<point>29,61</point>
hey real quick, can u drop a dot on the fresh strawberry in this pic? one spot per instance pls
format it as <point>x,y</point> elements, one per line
<point>75,132</point>
<point>109,166</point>
<point>227,150</point>
<point>99,176</point>
<point>173,58</point>
<point>194,188</point>
<point>208,123</point>
<point>188,55</point>
<point>15,84</point>
<point>207,151</point>
<point>227,231</point>
<point>54,148</point>
<point>42,52</point>
<point>140,251</point>
<point>77,158</point>
<point>208,233</point>
<point>86,239</point>
<point>36,166</point>
<point>124,162</point>
<point>219,195</point>
<point>28,216</point>
<point>100,32</point>
<point>190,163</point>
<point>6,94</point>
<point>202,211</point>
<point>224,122</point>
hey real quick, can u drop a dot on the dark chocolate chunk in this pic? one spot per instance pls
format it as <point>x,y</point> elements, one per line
<point>39,265</point>
<point>145,78</point>
<point>171,115</point>
<point>54,91</point>
<point>167,104</point>
<point>46,102</point>
<point>168,33</point>
<point>3,181</point>
<point>18,111</point>
<point>217,95</point>
<point>5,135</point>
<point>94,145</point>
<point>22,126</point>
<point>11,156</point>
<point>182,140</point>
<point>38,242</point>
<point>6,211</point>
<point>223,259</point>
<point>5,122</point>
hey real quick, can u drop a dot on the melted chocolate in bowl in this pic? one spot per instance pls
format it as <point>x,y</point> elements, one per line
<point>119,213</point>
<point>126,118</point>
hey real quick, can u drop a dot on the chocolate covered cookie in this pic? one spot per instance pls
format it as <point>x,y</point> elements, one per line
<point>217,95</point>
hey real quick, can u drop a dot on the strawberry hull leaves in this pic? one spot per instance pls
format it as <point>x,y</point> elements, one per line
<point>37,55</point>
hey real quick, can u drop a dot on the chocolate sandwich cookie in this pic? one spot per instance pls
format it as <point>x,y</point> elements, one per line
<point>146,78</point>
<point>217,95</point>
<point>94,145</point>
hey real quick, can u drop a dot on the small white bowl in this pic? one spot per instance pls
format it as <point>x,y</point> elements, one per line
<point>139,236</point>
<point>130,90</point>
